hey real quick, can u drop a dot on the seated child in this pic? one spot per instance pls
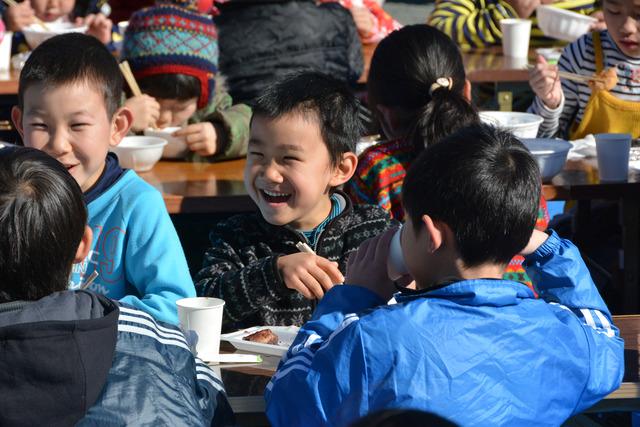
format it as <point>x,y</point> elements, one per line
<point>68,106</point>
<point>177,66</point>
<point>418,89</point>
<point>575,109</point>
<point>262,41</point>
<point>303,133</point>
<point>79,358</point>
<point>92,13</point>
<point>466,345</point>
<point>476,23</point>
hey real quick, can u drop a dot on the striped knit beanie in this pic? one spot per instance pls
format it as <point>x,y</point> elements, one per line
<point>172,37</point>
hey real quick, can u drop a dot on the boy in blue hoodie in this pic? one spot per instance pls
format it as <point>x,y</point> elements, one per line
<point>69,107</point>
<point>466,345</point>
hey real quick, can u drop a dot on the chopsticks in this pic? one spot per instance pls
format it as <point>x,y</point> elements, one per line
<point>303,247</point>
<point>38,21</point>
<point>90,280</point>
<point>574,77</point>
<point>128,76</point>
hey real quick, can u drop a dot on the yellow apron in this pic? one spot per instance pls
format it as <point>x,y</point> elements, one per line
<point>604,112</point>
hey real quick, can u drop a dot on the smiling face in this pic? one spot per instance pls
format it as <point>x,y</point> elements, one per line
<point>288,171</point>
<point>70,123</point>
<point>622,17</point>
<point>50,10</point>
<point>176,112</point>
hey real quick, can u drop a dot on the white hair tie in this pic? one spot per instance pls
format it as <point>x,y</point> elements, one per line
<point>441,82</point>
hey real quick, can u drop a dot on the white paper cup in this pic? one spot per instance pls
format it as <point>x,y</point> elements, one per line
<point>5,51</point>
<point>613,156</point>
<point>201,321</point>
<point>396,267</point>
<point>515,37</point>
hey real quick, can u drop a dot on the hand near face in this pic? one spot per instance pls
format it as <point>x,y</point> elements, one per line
<point>99,26</point>
<point>309,274</point>
<point>524,8</point>
<point>19,16</point>
<point>201,138</point>
<point>545,82</point>
<point>146,111</point>
<point>601,25</point>
<point>367,267</point>
<point>535,241</point>
<point>363,19</point>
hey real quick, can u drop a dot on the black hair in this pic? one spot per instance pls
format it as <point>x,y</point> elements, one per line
<point>327,100</point>
<point>42,220</point>
<point>402,418</point>
<point>171,86</point>
<point>70,58</point>
<point>403,69</point>
<point>484,184</point>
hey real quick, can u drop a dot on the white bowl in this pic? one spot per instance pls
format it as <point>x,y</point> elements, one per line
<point>139,153</point>
<point>36,34</point>
<point>522,125</point>
<point>176,146</point>
<point>563,24</point>
<point>550,154</point>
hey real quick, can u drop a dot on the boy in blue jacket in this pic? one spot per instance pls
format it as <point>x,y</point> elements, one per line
<point>466,345</point>
<point>69,107</point>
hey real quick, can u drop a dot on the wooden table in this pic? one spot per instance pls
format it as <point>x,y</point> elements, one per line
<point>488,65</point>
<point>9,82</point>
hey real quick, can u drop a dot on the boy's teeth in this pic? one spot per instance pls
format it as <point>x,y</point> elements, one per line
<point>274,194</point>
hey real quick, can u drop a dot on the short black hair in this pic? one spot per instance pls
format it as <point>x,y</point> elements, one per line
<point>70,58</point>
<point>171,86</point>
<point>326,99</point>
<point>484,184</point>
<point>42,220</point>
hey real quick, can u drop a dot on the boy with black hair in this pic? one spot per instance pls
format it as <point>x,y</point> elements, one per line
<point>467,345</point>
<point>303,134</point>
<point>79,358</point>
<point>173,51</point>
<point>68,106</point>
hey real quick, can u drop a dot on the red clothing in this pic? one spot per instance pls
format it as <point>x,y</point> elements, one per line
<point>383,22</point>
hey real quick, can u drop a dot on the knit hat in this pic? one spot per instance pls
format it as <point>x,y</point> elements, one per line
<point>172,37</point>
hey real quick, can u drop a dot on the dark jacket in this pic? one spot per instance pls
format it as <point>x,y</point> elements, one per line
<point>263,40</point>
<point>240,267</point>
<point>78,358</point>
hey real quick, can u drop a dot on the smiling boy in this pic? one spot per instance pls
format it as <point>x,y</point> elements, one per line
<point>575,109</point>
<point>303,134</point>
<point>466,345</point>
<point>68,106</point>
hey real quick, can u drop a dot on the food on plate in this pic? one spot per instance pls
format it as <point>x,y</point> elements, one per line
<point>264,336</point>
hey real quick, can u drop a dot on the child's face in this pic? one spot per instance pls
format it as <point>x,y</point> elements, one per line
<point>50,10</point>
<point>70,123</point>
<point>288,172</point>
<point>176,112</point>
<point>622,17</point>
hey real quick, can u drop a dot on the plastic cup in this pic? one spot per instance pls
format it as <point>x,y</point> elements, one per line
<point>396,268</point>
<point>515,37</point>
<point>5,51</point>
<point>613,156</point>
<point>201,321</point>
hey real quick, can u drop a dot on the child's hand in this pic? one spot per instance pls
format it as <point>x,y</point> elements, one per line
<point>525,8</point>
<point>367,267</point>
<point>545,82</point>
<point>601,25</point>
<point>309,274</point>
<point>535,241</point>
<point>99,26</point>
<point>146,112</point>
<point>19,16</point>
<point>200,137</point>
<point>364,20</point>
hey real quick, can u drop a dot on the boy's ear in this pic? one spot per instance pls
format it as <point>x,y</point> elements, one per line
<point>466,90</point>
<point>344,170</point>
<point>85,245</point>
<point>16,118</point>
<point>435,232</point>
<point>120,125</point>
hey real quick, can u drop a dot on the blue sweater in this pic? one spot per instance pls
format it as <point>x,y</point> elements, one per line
<point>135,250</point>
<point>478,352</point>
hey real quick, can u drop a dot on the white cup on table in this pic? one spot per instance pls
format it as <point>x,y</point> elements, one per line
<point>5,51</point>
<point>201,321</point>
<point>396,268</point>
<point>613,156</point>
<point>515,37</point>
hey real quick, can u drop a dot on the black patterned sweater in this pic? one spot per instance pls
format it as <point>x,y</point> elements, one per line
<point>240,267</point>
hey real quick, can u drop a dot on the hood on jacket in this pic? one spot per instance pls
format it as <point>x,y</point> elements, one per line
<point>55,354</point>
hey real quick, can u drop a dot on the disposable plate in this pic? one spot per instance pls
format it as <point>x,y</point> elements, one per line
<point>286,335</point>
